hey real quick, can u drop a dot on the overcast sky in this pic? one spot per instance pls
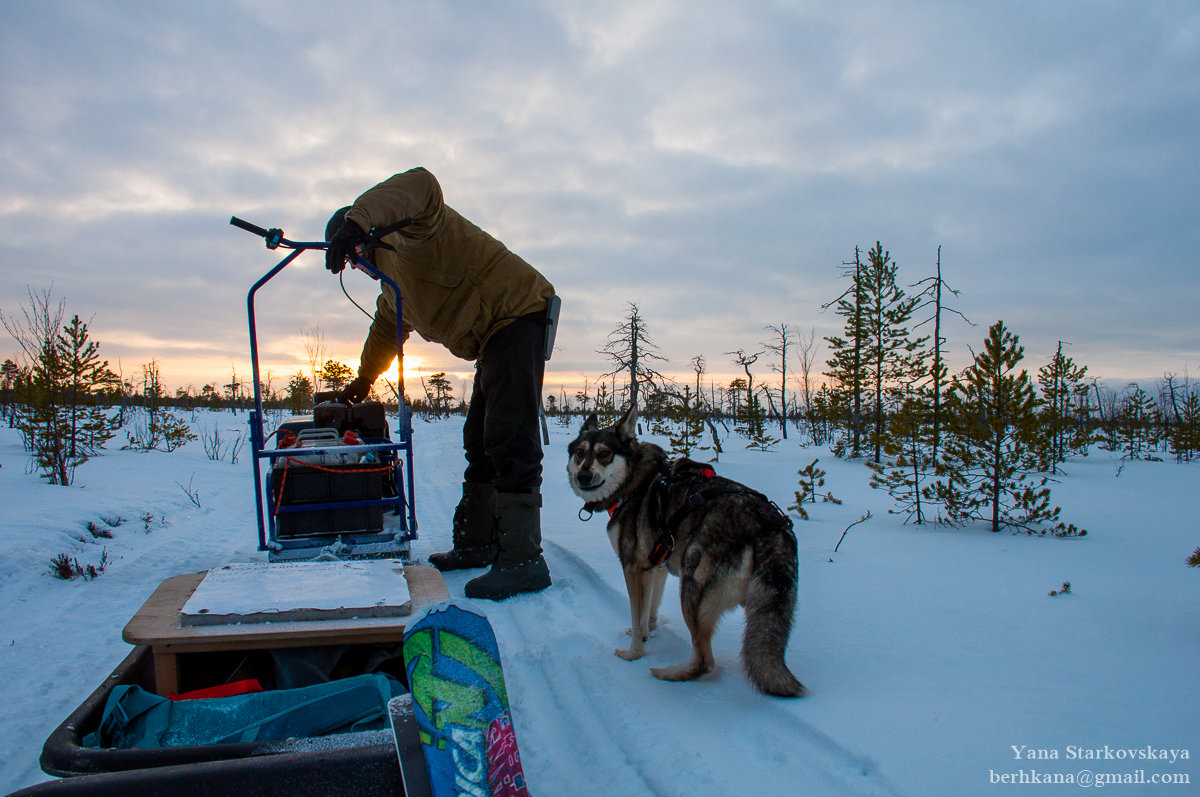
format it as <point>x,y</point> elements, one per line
<point>713,162</point>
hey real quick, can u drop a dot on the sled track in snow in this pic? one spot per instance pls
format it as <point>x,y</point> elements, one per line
<point>640,736</point>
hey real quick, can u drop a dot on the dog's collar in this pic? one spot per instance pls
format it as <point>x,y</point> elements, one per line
<point>614,503</point>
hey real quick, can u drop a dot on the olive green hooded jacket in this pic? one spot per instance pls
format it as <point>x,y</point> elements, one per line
<point>459,285</point>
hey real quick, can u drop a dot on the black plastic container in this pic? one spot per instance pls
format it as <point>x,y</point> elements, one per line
<point>64,755</point>
<point>354,772</point>
<point>307,487</point>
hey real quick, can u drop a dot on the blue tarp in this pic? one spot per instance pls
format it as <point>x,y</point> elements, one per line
<point>134,717</point>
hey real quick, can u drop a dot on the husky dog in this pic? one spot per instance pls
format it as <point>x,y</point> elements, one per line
<point>729,546</point>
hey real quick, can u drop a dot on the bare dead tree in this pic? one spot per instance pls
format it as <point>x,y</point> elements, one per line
<point>631,350</point>
<point>932,293</point>
<point>745,361</point>
<point>314,350</point>
<point>779,345</point>
<point>808,358</point>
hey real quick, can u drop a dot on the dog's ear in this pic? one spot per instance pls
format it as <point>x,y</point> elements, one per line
<point>591,424</point>
<point>627,426</point>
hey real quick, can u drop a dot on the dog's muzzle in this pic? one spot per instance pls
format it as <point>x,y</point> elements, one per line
<point>588,480</point>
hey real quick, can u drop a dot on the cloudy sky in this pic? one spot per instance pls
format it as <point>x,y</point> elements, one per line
<point>713,162</point>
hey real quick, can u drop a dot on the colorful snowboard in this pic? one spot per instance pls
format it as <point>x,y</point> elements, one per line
<point>461,704</point>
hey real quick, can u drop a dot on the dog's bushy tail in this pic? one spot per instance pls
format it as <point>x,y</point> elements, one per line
<point>770,605</point>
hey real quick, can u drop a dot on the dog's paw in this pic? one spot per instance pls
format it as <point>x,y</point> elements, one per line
<point>630,654</point>
<point>645,638</point>
<point>687,671</point>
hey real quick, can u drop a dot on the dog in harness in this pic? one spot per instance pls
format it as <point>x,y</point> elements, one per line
<point>728,544</point>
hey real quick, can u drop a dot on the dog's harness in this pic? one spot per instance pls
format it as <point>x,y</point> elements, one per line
<point>700,490</point>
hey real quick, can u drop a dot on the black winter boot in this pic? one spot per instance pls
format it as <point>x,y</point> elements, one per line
<point>519,566</point>
<point>474,531</point>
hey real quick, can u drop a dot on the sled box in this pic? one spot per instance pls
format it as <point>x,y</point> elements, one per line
<point>312,487</point>
<point>368,419</point>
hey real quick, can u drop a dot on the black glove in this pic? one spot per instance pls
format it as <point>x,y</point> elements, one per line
<point>342,247</point>
<point>354,392</point>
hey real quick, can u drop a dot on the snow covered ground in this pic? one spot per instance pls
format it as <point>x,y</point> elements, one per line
<point>935,654</point>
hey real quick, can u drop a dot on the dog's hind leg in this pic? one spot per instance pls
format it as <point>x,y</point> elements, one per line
<point>638,583</point>
<point>701,611</point>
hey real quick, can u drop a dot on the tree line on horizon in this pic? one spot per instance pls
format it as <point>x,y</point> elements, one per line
<point>955,442</point>
<point>980,445</point>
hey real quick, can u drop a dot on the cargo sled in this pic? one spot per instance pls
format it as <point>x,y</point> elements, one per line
<point>335,482</point>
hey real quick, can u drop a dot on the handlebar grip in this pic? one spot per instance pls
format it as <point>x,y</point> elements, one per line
<point>247,226</point>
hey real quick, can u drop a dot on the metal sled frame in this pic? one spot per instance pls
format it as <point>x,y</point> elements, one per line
<point>352,544</point>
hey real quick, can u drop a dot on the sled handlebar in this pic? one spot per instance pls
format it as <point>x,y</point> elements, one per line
<point>274,236</point>
<point>247,226</point>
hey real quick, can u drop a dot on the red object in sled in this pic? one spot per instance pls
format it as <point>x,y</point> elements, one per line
<point>221,690</point>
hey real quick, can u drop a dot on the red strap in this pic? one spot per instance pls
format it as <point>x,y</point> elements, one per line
<point>221,690</point>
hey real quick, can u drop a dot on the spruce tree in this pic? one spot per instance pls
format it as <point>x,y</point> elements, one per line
<point>892,359</point>
<point>1185,433</point>
<point>1138,424</point>
<point>682,422</point>
<point>847,363</point>
<point>10,376</point>
<point>1061,382</point>
<point>909,463</point>
<point>827,407</point>
<point>754,424</point>
<point>86,423</point>
<point>42,421</point>
<point>61,421</point>
<point>987,462</point>
<point>335,375</point>
<point>299,392</point>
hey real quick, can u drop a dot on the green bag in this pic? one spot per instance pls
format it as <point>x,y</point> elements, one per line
<point>134,717</point>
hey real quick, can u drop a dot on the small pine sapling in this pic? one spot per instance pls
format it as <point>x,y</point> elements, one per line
<point>66,567</point>
<point>1194,559</point>
<point>62,566</point>
<point>1065,589</point>
<point>811,477</point>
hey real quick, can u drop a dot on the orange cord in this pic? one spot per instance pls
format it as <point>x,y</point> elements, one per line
<point>287,461</point>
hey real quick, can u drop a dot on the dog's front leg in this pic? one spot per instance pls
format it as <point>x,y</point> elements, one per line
<point>659,581</point>
<point>638,584</point>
